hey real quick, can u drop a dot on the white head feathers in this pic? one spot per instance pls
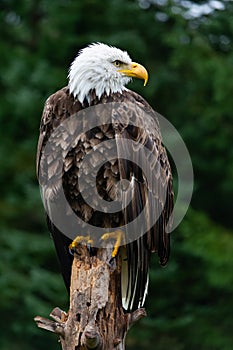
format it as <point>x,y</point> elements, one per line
<point>95,69</point>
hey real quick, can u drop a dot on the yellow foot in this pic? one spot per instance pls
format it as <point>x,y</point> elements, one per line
<point>79,240</point>
<point>118,236</point>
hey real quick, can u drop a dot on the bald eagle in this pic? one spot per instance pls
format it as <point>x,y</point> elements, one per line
<point>97,79</point>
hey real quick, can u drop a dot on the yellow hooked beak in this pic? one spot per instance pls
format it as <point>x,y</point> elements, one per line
<point>135,70</point>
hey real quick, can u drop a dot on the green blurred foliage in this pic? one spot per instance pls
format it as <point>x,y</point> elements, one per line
<point>189,57</point>
<point>190,301</point>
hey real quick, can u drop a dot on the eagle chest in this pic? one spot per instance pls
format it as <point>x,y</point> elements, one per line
<point>91,166</point>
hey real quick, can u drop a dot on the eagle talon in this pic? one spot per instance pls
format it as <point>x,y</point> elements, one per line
<point>90,246</point>
<point>111,262</point>
<point>73,251</point>
<point>80,240</point>
<point>118,237</point>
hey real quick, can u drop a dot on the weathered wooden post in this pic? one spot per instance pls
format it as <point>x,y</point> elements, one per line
<point>96,319</point>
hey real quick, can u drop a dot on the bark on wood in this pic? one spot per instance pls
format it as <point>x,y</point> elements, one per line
<point>95,319</point>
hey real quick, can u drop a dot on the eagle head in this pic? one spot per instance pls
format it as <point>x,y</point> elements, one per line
<point>103,69</point>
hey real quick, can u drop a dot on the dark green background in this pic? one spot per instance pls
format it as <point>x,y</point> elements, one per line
<point>190,62</point>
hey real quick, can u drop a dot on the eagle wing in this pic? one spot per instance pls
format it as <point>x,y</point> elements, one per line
<point>148,173</point>
<point>144,163</point>
<point>58,107</point>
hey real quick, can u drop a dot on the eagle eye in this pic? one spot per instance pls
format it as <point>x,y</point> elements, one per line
<point>117,63</point>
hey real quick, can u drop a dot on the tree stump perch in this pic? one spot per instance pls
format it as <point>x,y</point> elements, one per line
<point>96,319</point>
